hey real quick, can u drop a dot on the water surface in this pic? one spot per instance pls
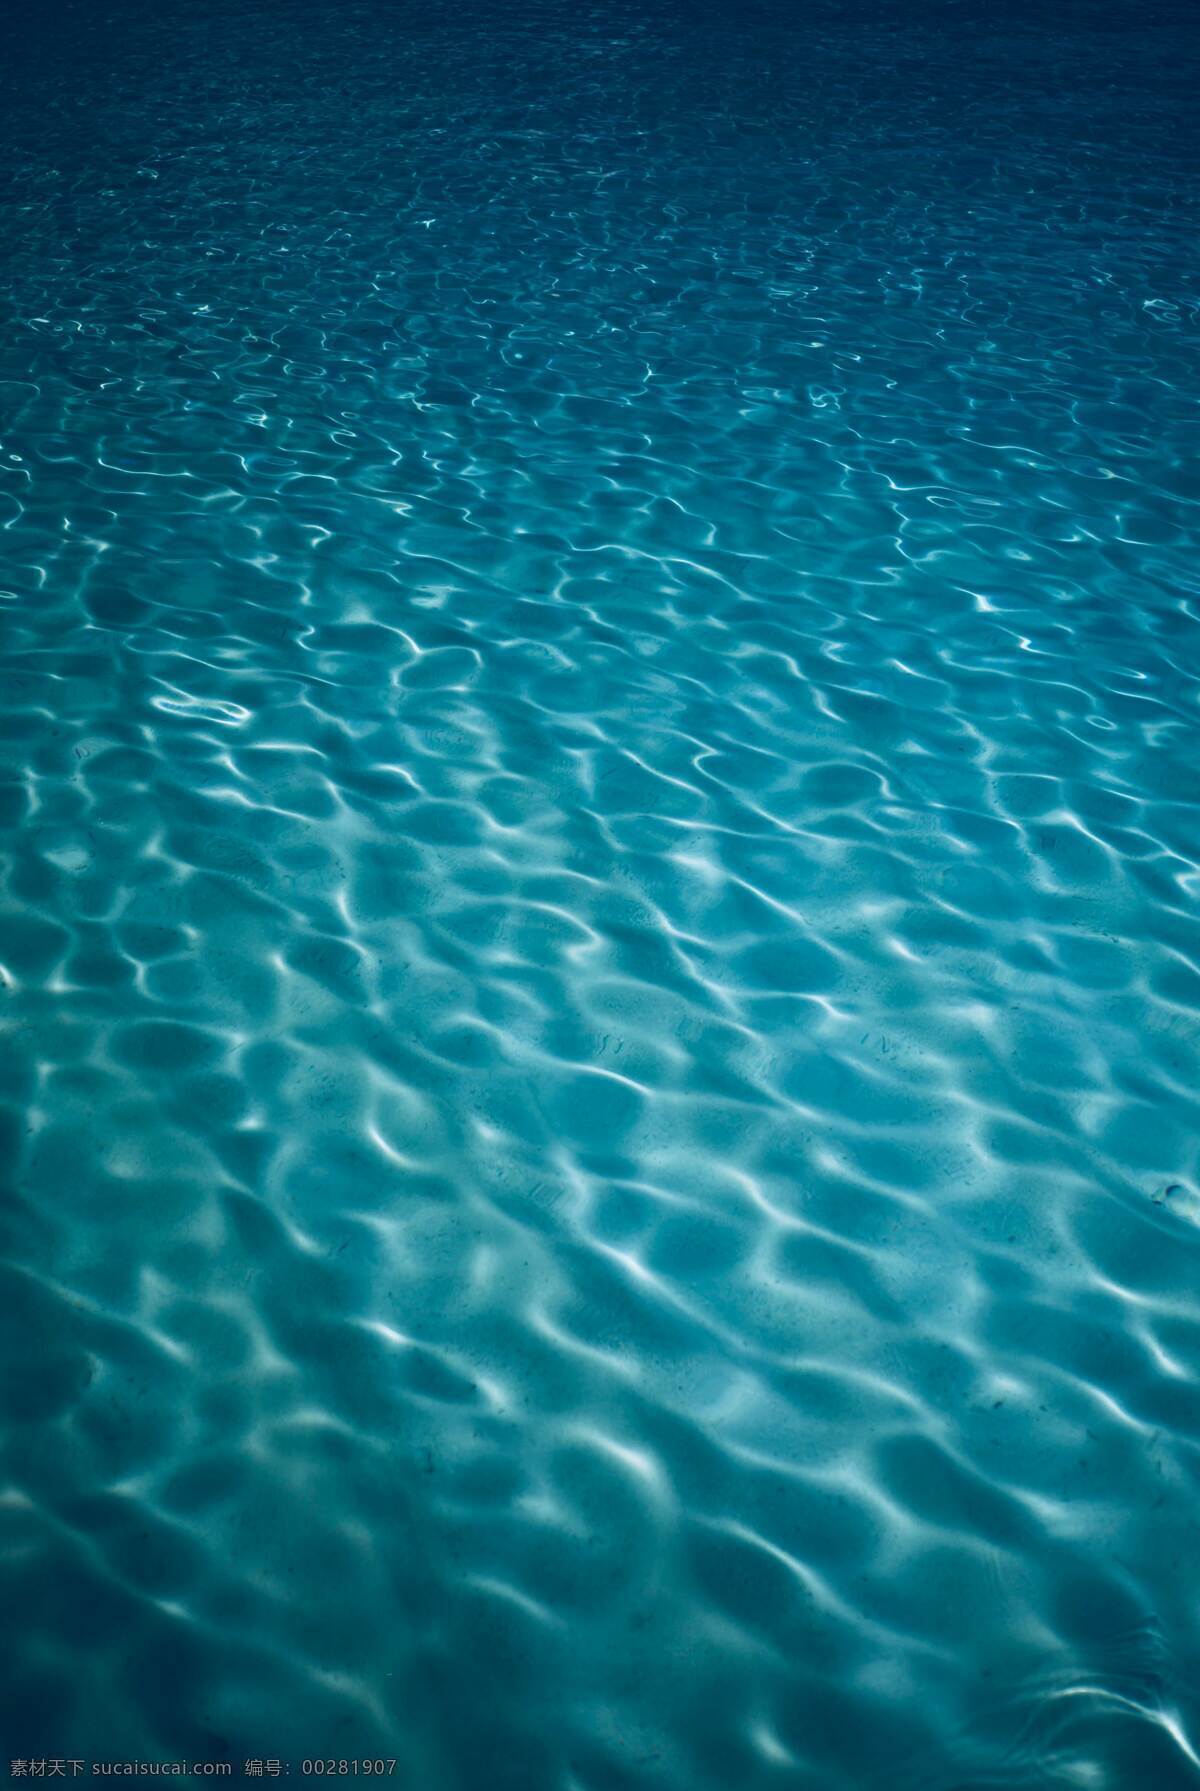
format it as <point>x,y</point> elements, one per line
<point>601,1000</point>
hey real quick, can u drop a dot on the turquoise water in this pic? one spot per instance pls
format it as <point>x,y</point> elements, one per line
<point>601,994</point>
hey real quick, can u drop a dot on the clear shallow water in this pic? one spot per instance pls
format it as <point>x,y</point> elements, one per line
<point>598,727</point>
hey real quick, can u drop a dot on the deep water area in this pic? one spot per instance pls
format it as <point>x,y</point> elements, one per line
<point>599,968</point>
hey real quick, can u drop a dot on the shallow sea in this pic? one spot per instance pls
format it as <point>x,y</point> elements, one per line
<point>600,764</point>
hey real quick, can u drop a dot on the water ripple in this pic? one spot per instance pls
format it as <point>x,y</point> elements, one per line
<point>599,974</point>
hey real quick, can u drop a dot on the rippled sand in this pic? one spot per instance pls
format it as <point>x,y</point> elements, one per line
<point>599,683</point>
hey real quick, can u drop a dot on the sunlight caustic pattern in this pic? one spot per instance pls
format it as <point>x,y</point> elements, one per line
<point>599,671</point>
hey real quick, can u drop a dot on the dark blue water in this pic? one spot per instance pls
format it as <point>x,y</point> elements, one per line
<point>599,740</point>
